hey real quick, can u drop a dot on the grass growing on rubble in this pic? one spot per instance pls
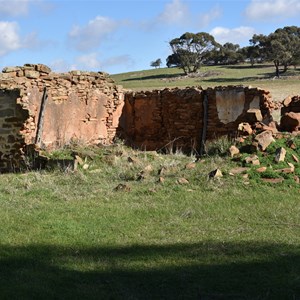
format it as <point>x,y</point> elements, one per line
<point>113,231</point>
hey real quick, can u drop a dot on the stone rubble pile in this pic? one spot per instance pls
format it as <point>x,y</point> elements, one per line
<point>259,137</point>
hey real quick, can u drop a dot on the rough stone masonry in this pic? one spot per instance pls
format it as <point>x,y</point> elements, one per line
<point>88,107</point>
<point>185,118</point>
<point>81,106</point>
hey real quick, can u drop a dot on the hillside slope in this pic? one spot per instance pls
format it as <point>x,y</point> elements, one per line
<point>210,76</point>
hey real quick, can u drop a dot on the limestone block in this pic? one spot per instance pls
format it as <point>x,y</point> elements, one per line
<point>42,68</point>
<point>253,160</point>
<point>287,101</point>
<point>245,129</point>
<point>253,115</point>
<point>32,74</point>
<point>233,150</point>
<point>11,69</point>
<point>280,154</point>
<point>215,174</point>
<point>264,139</point>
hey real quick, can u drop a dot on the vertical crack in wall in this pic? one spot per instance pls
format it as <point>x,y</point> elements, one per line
<point>205,123</point>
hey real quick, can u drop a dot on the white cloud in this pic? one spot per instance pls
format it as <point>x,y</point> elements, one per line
<point>124,60</point>
<point>175,12</point>
<point>61,65</point>
<point>178,13</point>
<point>207,18</point>
<point>14,7</point>
<point>9,37</point>
<point>89,61</point>
<point>237,35</point>
<point>271,9</point>
<point>91,35</point>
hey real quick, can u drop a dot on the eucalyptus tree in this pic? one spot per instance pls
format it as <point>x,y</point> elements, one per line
<point>282,47</point>
<point>191,49</point>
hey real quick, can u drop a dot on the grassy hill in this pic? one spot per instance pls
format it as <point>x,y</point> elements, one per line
<point>210,76</point>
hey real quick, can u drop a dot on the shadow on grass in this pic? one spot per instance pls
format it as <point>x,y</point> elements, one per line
<point>241,79</point>
<point>158,76</point>
<point>243,67</point>
<point>181,271</point>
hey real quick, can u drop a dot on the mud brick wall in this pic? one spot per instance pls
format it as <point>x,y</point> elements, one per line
<point>176,118</point>
<point>81,106</point>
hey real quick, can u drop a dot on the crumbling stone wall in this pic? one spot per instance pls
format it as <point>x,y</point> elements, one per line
<point>12,120</point>
<point>186,118</point>
<point>81,106</point>
<point>87,107</point>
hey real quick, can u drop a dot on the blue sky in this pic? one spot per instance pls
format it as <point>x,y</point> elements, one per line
<point>126,35</point>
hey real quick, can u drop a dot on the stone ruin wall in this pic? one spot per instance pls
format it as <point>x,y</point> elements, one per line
<point>178,119</point>
<point>81,106</point>
<point>87,107</point>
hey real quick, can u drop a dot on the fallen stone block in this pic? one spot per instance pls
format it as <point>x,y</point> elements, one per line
<point>253,115</point>
<point>286,102</point>
<point>273,180</point>
<point>264,139</point>
<point>161,179</point>
<point>263,127</point>
<point>295,158</point>
<point>290,122</point>
<point>280,154</point>
<point>254,160</point>
<point>215,174</point>
<point>261,169</point>
<point>233,150</point>
<point>289,170</point>
<point>182,181</point>
<point>245,129</point>
<point>238,170</point>
<point>190,166</point>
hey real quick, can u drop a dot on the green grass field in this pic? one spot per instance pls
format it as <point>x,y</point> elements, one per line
<point>127,226</point>
<point>210,76</point>
<point>113,231</point>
